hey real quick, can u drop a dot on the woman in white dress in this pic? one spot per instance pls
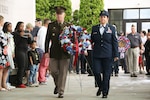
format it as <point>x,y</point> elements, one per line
<point>7,29</point>
<point>4,62</point>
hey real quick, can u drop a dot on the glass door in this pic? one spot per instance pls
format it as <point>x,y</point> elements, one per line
<point>145,26</point>
<point>128,26</point>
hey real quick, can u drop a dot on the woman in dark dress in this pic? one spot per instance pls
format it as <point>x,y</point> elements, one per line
<point>21,40</point>
<point>147,54</point>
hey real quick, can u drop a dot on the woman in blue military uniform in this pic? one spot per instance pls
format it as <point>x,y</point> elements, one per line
<point>105,50</point>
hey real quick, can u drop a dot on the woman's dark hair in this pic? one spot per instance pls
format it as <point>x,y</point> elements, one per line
<point>122,33</point>
<point>144,32</point>
<point>5,27</point>
<point>18,26</point>
<point>33,41</point>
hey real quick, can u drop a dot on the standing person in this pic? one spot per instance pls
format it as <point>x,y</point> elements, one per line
<point>33,63</point>
<point>105,51</point>
<point>71,64</point>
<point>28,29</point>
<point>133,52</point>
<point>38,24</point>
<point>41,35</point>
<point>82,60</point>
<point>7,29</point>
<point>21,40</point>
<point>89,59</point>
<point>59,59</point>
<point>123,40</point>
<point>127,55</point>
<point>141,57</point>
<point>147,53</point>
<point>4,62</point>
<point>115,68</point>
<point>143,36</point>
<point>41,45</point>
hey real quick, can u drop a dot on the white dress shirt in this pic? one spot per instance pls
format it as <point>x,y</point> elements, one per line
<point>41,35</point>
<point>102,28</point>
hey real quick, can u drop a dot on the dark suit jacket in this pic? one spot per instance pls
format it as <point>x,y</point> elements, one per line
<point>53,32</point>
<point>106,45</point>
<point>147,48</point>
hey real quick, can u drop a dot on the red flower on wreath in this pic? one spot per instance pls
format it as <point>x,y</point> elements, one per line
<point>64,47</point>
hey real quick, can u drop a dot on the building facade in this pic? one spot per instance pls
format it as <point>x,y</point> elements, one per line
<point>18,10</point>
<point>124,13</point>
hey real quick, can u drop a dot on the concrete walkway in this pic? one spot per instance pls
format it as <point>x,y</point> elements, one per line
<point>81,87</point>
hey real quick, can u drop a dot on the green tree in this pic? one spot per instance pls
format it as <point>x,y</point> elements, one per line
<point>42,9</point>
<point>75,17</point>
<point>89,13</point>
<point>45,8</point>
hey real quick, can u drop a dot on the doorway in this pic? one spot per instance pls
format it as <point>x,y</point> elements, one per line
<point>139,24</point>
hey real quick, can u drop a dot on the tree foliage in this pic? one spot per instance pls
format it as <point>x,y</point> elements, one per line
<point>45,8</point>
<point>42,9</point>
<point>75,17</point>
<point>89,12</point>
<point>87,16</point>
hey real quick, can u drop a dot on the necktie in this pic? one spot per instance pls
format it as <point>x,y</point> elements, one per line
<point>102,30</point>
<point>61,26</point>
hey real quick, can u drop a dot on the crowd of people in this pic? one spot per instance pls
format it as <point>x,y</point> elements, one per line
<point>22,50</point>
<point>133,53</point>
<point>27,50</point>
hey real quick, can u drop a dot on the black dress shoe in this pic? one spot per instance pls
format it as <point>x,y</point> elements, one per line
<point>111,74</point>
<point>60,96</point>
<point>116,75</point>
<point>131,75</point>
<point>134,75</point>
<point>104,96</point>
<point>98,92</point>
<point>83,73</point>
<point>55,90</point>
<point>127,72</point>
<point>90,75</point>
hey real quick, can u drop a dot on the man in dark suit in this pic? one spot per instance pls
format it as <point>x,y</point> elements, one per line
<point>105,50</point>
<point>59,59</point>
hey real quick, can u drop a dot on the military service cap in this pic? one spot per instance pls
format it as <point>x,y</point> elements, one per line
<point>59,9</point>
<point>104,13</point>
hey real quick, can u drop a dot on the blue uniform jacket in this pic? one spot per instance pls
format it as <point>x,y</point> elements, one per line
<point>106,45</point>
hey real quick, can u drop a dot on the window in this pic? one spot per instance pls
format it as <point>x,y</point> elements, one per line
<point>116,14</point>
<point>144,13</point>
<point>116,17</point>
<point>131,14</point>
<point>118,25</point>
<point>145,26</point>
<point>128,26</point>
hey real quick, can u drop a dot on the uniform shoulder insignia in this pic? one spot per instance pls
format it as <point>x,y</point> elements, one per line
<point>67,24</point>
